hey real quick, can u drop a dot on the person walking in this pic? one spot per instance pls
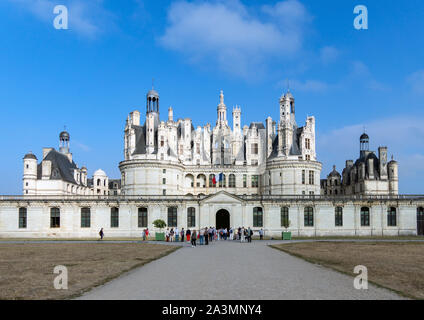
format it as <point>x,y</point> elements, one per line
<point>242,234</point>
<point>101,234</point>
<point>171,235</point>
<point>231,233</point>
<point>167,234</point>
<point>261,234</point>
<point>206,236</point>
<point>177,234</point>
<point>143,234</point>
<point>147,233</point>
<point>225,232</point>
<point>182,234</point>
<point>193,238</point>
<point>210,231</point>
<point>188,234</point>
<point>202,236</point>
<point>249,235</point>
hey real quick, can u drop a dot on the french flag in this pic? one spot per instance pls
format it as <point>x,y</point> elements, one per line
<point>217,178</point>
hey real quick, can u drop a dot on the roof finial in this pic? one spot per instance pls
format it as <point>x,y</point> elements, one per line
<point>221,97</point>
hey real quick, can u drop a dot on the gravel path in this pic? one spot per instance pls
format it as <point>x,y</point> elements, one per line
<point>231,271</point>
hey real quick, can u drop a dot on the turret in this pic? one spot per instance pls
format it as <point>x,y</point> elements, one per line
<point>152,119</point>
<point>269,135</point>
<point>382,155</point>
<point>30,174</point>
<point>364,145</point>
<point>287,108</point>
<point>170,114</point>
<point>393,168</point>
<point>222,111</point>
<point>84,176</point>
<point>237,120</point>
<point>64,139</point>
<point>287,122</point>
<point>100,183</point>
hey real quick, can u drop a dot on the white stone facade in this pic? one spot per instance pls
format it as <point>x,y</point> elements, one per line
<point>175,158</point>
<point>266,174</point>
<point>308,216</point>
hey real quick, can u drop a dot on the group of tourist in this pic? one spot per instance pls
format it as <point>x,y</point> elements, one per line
<point>206,235</point>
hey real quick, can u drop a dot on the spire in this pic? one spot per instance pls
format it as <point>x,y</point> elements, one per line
<point>222,110</point>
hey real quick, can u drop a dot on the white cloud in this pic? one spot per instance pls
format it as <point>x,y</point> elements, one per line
<point>329,54</point>
<point>313,86</point>
<point>226,34</point>
<point>87,18</point>
<point>416,81</point>
<point>81,146</point>
<point>361,74</point>
<point>404,137</point>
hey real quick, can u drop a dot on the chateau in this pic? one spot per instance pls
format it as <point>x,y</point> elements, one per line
<point>262,175</point>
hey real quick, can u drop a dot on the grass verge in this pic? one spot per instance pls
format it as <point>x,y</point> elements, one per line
<point>26,270</point>
<point>393,265</point>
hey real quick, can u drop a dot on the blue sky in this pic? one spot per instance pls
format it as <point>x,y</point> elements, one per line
<point>92,75</point>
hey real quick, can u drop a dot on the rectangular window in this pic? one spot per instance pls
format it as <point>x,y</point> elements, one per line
<point>258,217</point>
<point>197,148</point>
<point>114,217</point>
<point>232,181</point>
<point>85,217</point>
<point>245,181</point>
<point>142,217</point>
<point>303,177</point>
<point>22,218</point>
<point>309,217</point>
<point>164,192</point>
<point>191,217</point>
<point>164,181</point>
<point>365,217</point>
<point>391,217</point>
<point>311,177</point>
<point>308,157</point>
<point>284,217</point>
<point>339,216</point>
<point>255,148</point>
<point>172,217</point>
<point>255,181</point>
<point>54,218</point>
<point>308,144</point>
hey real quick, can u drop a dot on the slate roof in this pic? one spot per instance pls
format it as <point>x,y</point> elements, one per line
<point>62,168</point>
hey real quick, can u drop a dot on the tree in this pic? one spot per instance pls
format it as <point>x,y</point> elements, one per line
<point>160,224</point>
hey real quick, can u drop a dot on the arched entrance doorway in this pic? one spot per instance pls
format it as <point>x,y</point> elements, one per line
<point>223,219</point>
